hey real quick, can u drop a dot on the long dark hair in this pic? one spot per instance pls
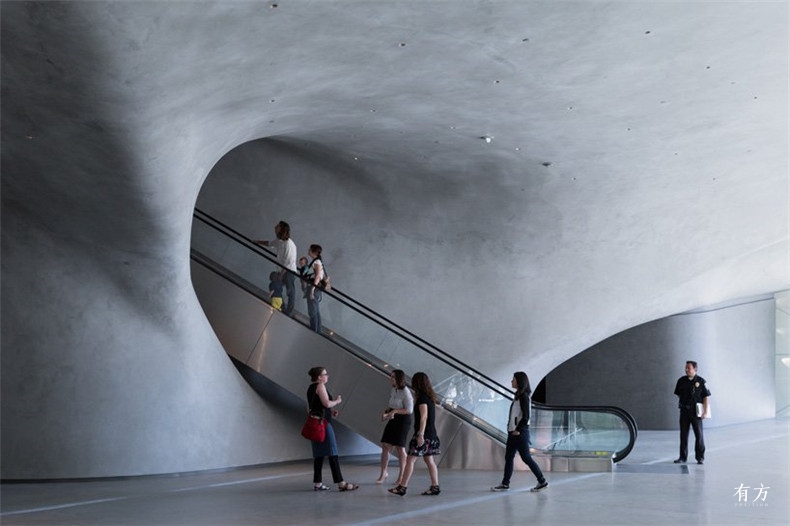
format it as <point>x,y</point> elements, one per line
<point>522,384</point>
<point>422,385</point>
<point>400,378</point>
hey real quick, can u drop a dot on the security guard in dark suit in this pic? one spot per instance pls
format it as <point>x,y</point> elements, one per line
<point>691,390</point>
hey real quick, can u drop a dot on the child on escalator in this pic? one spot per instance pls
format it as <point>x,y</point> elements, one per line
<point>276,291</point>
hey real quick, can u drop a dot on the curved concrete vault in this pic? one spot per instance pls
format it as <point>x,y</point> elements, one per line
<point>637,167</point>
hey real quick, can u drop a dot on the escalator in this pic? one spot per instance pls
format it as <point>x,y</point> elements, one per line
<point>359,347</point>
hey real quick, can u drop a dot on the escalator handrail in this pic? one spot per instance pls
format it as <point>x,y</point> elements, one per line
<point>594,408</point>
<point>358,307</point>
<point>633,430</point>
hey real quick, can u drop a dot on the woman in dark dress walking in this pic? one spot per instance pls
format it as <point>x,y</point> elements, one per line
<point>425,443</point>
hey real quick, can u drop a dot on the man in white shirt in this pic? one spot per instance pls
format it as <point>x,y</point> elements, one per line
<point>286,256</point>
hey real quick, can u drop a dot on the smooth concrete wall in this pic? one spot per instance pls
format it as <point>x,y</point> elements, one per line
<point>637,369</point>
<point>109,366</point>
<point>109,377</point>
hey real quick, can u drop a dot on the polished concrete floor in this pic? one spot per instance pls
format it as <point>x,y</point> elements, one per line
<point>646,488</point>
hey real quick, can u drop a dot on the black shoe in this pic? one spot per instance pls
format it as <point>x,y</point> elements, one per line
<point>540,486</point>
<point>700,461</point>
<point>501,487</point>
<point>680,461</point>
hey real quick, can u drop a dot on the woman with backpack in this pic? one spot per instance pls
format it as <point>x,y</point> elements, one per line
<point>314,277</point>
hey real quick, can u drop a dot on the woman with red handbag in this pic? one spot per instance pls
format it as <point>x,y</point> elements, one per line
<point>320,404</point>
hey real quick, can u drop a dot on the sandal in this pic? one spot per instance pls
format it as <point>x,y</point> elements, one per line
<point>398,490</point>
<point>347,486</point>
<point>433,490</point>
<point>321,487</point>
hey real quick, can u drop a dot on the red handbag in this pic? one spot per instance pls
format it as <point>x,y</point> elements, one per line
<point>314,428</point>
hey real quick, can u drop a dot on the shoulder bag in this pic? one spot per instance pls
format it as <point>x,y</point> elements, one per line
<point>314,428</point>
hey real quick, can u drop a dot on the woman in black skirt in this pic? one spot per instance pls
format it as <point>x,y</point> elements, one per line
<point>425,443</point>
<point>396,433</point>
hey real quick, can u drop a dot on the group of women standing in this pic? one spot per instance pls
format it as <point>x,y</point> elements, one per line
<point>403,409</point>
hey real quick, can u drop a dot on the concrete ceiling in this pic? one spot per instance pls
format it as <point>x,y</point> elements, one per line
<point>637,163</point>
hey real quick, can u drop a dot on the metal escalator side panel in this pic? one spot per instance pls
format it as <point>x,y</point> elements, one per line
<point>465,447</point>
<point>238,318</point>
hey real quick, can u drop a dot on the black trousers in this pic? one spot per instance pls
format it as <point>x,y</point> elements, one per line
<point>334,465</point>
<point>688,417</point>
<point>520,444</point>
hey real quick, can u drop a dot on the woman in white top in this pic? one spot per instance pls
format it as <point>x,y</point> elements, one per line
<point>396,433</point>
